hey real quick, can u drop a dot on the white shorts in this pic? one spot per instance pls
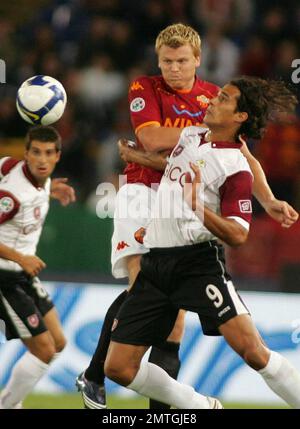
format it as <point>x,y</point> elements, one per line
<point>132,213</point>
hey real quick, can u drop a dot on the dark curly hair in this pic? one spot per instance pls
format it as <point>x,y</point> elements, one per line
<point>261,99</point>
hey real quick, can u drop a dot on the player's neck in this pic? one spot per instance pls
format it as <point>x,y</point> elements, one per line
<point>38,182</point>
<point>221,135</point>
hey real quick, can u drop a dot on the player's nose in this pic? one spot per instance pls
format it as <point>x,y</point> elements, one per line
<point>174,66</point>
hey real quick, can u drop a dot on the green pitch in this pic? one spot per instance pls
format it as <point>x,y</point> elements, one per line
<point>73,401</point>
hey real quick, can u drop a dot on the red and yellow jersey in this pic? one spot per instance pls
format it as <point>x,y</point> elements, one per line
<point>153,102</point>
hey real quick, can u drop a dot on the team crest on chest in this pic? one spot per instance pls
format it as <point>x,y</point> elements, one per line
<point>203,101</point>
<point>177,151</point>
<point>37,212</point>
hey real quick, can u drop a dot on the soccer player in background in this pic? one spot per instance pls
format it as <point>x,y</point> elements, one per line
<point>25,306</point>
<point>160,106</point>
<point>185,267</point>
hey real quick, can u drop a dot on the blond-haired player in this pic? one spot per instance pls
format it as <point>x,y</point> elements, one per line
<point>160,106</point>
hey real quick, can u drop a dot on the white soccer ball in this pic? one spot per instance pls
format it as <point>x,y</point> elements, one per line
<point>41,100</point>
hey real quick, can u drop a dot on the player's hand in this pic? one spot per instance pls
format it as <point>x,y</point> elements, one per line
<point>125,149</point>
<point>282,212</point>
<point>31,264</point>
<point>62,192</point>
<point>191,187</point>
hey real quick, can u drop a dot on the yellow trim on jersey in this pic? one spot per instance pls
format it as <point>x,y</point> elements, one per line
<point>145,124</point>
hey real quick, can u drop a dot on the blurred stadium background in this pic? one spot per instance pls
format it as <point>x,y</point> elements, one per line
<point>95,48</point>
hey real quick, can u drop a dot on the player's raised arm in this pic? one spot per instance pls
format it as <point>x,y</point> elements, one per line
<point>271,97</point>
<point>62,192</point>
<point>279,210</point>
<point>155,160</point>
<point>156,138</point>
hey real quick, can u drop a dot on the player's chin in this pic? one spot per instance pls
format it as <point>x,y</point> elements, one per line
<point>207,119</point>
<point>43,174</point>
<point>176,83</point>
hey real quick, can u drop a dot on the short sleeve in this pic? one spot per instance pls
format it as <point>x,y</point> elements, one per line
<point>144,103</point>
<point>6,164</point>
<point>9,206</point>
<point>235,198</point>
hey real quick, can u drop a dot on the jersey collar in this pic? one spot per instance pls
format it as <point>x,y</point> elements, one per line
<point>29,176</point>
<point>226,145</point>
<point>204,138</point>
<point>181,91</point>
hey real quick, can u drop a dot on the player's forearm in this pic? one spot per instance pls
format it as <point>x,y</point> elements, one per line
<point>155,139</point>
<point>261,188</point>
<point>227,230</point>
<point>10,253</point>
<point>148,159</point>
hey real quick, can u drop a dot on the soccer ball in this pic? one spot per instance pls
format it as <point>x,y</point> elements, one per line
<point>41,100</point>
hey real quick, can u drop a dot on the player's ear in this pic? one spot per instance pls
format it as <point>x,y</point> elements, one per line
<point>58,155</point>
<point>198,60</point>
<point>241,116</point>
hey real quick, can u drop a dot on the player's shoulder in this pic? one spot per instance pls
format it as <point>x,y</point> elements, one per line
<point>16,182</point>
<point>208,87</point>
<point>230,157</point>
<point>143,82</point>
<point>6,165</point>
<point>193,131</point>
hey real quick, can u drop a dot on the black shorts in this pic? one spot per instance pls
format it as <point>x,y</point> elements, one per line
<point>189,277</point>
<point>23,303</point>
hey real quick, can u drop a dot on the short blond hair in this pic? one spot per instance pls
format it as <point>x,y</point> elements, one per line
<point>177,35</point>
